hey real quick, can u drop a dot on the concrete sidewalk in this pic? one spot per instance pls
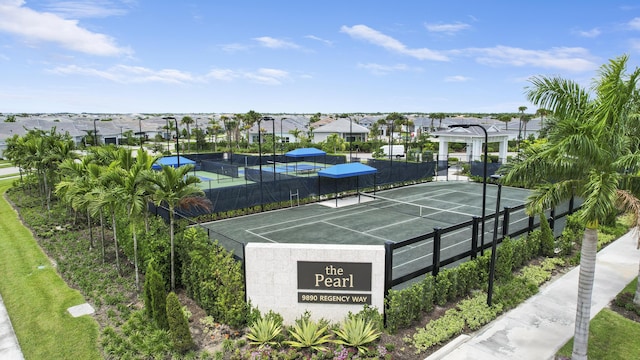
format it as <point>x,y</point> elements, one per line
<point>9,347</point>
<point>539,327</point>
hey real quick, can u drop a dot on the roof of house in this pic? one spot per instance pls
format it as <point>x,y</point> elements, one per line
<point>342,126</point>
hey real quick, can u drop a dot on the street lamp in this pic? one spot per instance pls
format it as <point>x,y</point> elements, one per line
<point>350,136</point>
<point>95,133</point>
<point>168,133</point>
<point>484,177</point>
<point>281,136</point>
<point>260,162</point>
<point>177,144</point>
<point>494,242</point>
<point>120,143</point>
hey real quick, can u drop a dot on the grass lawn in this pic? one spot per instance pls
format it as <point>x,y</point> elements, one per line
<point>37,298</point>
<point>611,335</point>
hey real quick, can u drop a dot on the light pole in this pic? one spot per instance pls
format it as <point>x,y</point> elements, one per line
<point>177,145</point>
<point>484,177</point>
<point>273,131</point>
<point>120,136</point>
<point>260,162</point>
<point>350,136</point>
<point>494,242</point>
<point>281,136</point>
<point>95,133</point>
<point>168,133</point>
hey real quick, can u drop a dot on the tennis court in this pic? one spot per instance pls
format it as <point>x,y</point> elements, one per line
<point>394,215</point>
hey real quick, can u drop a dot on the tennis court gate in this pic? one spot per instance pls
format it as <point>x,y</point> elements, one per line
<point>556,218</point>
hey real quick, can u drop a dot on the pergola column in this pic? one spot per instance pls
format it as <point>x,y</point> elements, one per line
<point>443,150</point>
<point>502,150</point>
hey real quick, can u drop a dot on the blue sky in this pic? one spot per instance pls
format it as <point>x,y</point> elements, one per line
<point>157,56</point>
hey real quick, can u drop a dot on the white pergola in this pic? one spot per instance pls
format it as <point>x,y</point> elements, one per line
<point>474,138</point>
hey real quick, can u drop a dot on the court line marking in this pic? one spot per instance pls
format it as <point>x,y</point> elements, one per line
<point>260,236</point>
<point>355,231</point>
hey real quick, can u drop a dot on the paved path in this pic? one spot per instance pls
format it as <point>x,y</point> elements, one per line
<point>9,347</point>
<point>539,327</point>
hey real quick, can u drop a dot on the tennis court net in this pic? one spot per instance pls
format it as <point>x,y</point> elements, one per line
<point>393,205</point>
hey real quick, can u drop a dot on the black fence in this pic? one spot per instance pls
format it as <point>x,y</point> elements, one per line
<point>440,253</point>
<point>269,187</point>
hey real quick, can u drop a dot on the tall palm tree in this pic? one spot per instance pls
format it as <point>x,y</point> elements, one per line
<point>131,180</point>
<point>588,154</point>
<point>187,120</point>
<point>521,110</point>
<point>176,188</point>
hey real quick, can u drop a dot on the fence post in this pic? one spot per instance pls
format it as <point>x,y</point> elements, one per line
<point>388,273</point>
<point>436,251</point>
<point>474,237</point>
<point>244,273</point>
<point>552,220</point>
<point>505,221</point>
<point>571,204</point>
<point>531,219</point>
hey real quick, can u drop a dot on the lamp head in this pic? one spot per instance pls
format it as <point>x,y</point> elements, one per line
<point>465,126</point>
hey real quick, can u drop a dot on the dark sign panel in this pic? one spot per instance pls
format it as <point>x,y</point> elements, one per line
<point>338,276</point>
<point>334,298</point>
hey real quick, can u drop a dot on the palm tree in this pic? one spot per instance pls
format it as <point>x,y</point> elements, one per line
<point>187,120</point>
<point>588,154</point>
<point>131,180</point>
<point>175,188</point>
<point>521,109</point>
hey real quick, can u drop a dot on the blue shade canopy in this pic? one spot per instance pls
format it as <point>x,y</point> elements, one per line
<point>303,152</point>
<point>171,161</point>
<point>347,170</point>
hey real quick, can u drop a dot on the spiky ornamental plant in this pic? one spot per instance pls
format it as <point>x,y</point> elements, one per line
<point>264,332</point>
<point>357,333</point>
<point>308,334</point>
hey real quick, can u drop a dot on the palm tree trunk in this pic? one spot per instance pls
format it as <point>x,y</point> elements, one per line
<point>102,230</point>
<point>173,277</point>
<point>90,230</point>
<point>636,298</point>
<point>135,253</point>
<point>585,288</point>
<point>115,239</point>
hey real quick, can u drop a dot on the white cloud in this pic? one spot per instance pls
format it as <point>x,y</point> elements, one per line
<point>595,32</point>
<point>375,37</point>
<point>268,76</point>
<point>457,78</point>
<point>46,27</point>
<point>222,74</point>
<point>635,44</point>
<point>231,48</point>
<point>265,76</point>
<point>129,74</point>
<point>379,69</point>
<point>85,8</point>
<point>635,24</point>
<point>326,42</point>
<point>447,28</point>
<point>274,43</point>
<point>564,58</point>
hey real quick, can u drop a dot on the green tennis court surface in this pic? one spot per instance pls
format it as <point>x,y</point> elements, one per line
<point>370,221</point>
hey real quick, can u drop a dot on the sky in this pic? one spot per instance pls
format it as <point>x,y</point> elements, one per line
<point>296,56</point>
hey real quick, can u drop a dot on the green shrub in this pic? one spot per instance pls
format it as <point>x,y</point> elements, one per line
<point>178,325</point>
<point>437,331</point>
<point>155,298</point>
<point>442,287</point>
<point>547,240</point>
<point>371,315</point>
<point>504,260</point>
<point>475,311</point>
<point>514,292</point>
<point>213,278</point>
